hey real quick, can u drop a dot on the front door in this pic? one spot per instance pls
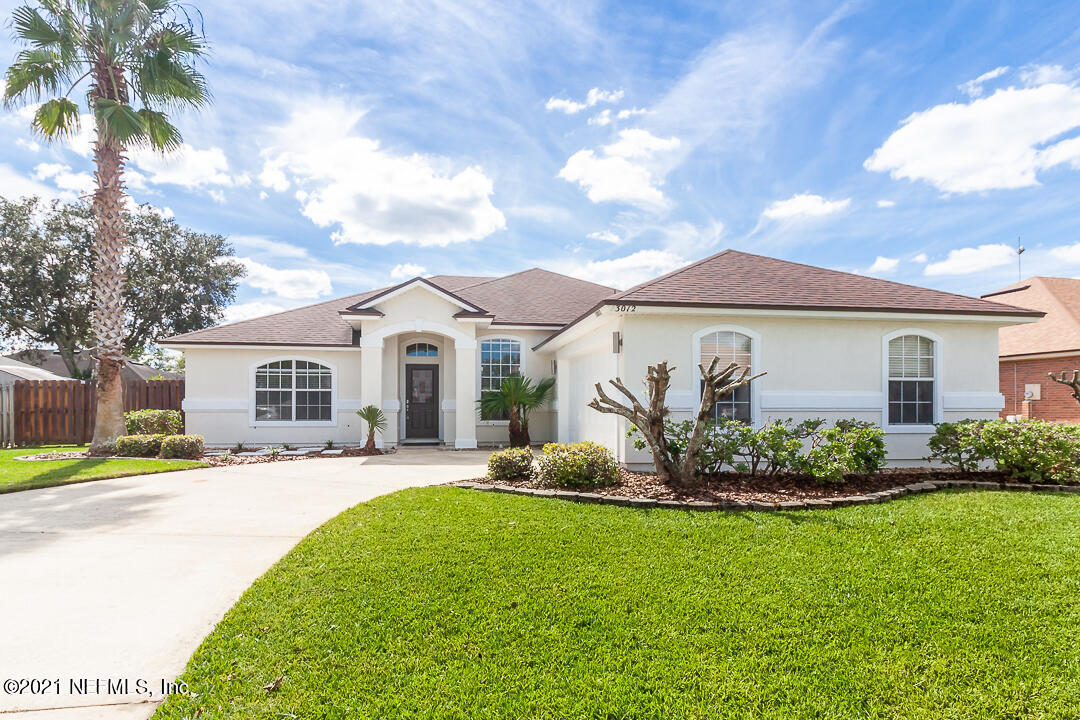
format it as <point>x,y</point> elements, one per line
<point>421,401</point>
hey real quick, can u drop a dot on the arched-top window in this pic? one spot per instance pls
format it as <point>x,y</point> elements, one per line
<point>421,349</point>
<point>293,391</point>
<point>499,359</point>
<point>729,346</point>
<point>911,380</point>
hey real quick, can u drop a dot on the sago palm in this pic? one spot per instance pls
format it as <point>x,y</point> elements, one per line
<point>516,396</point>
<point>138,57</point>
<point>375,420</point>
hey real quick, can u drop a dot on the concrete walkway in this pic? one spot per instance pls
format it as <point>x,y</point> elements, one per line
<point>122,579</point>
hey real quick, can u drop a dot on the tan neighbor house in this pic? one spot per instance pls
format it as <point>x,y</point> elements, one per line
<point>835,345</point>
<point>1028,352</point>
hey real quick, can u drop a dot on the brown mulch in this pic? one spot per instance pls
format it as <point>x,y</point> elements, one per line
<point>213,461</point>
<point>736,486</point>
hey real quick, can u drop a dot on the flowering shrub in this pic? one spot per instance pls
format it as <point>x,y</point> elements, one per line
<point>511,464</point>
<point>182,446</point>
<point>153,422</point>
<point>1031,450</point>
<point>578,465</point>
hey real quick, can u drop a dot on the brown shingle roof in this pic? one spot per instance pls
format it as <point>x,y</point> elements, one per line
<point>1058,331</point>
<point>536,297</point>
<point>742,280</point>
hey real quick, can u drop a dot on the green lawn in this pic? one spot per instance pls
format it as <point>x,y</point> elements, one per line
<point>19,475</point>
<point>449,603</point>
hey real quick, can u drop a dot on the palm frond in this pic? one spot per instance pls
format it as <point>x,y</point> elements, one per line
<point>35,74</point>
<point>160,78</point>
<point>120,122</point>
<point>30,26</point>
<point>57,118</point>
<point>160,133</point>
<point>374,417</point>
<point>178,39</point>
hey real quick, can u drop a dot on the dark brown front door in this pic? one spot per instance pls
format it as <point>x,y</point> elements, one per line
<point>421,401</point>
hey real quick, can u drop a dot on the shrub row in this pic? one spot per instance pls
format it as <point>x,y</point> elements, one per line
<point>1032,450</point>
<point>783,446</point>
<point>580,465</point>
<point>154,422</point>
<point>160,445</point>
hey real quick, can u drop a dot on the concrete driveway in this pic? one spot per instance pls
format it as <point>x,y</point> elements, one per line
<point>122,579</point>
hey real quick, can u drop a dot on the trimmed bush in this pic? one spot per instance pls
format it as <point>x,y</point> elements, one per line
<point>1031,450</point>
<point>139,445</point>
<point>849,447</point>
<point>511,464</point>
<point>578,465</point>
<point>182,446</point>
<point>154,422</point>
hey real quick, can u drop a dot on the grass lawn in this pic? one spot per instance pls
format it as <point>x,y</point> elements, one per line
<point>19,475</point>
<point>449,603</point>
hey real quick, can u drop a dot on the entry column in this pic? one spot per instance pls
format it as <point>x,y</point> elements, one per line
<point>371,379</point>
<point>465,394</point>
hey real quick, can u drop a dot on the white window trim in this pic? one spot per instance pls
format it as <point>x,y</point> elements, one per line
<point>332,422</point>
<point>755,362</point>
<point>523,348</point>
<point>939,374</point>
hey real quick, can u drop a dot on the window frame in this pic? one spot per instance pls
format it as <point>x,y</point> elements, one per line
<point>755,362</point>
<point>885,378</point>
<point>253,370</point>
<point>427,344</point>
<point>480,340</point>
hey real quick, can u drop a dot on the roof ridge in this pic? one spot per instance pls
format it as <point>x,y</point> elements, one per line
<point>289,310</point>
<point>647,283</point>
<point>540,269</point>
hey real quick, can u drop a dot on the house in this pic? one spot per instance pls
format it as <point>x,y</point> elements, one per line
<point>1028,352</point>
<point>12,370</point>
<point>50,360</point>
<point>834,345</point>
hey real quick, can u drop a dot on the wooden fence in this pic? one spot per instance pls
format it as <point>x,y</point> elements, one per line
<point>52,412</point>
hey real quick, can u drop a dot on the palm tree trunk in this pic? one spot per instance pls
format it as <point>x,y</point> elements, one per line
<point>369,446</point>
<point>514,428</point>
<point>108,320</point>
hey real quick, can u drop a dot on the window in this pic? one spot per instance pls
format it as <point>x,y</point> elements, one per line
<point>421,350</point>
<point>911,380</point>
<point>499,359</point>
<point>293,391</point>
<point>729,346</point>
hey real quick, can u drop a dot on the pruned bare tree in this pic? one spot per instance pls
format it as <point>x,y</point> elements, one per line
<point>1073,383</point>
<point>719,383</point>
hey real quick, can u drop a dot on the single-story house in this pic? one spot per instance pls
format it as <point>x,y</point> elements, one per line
<point>834,345</point>
<point>50,359</point>
<point>1051,345</point>
<point>12,370</point>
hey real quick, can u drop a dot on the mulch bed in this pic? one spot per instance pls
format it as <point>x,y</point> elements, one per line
<point>738,487</point>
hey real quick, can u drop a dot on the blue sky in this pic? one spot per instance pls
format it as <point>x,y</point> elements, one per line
<point>354,144</point>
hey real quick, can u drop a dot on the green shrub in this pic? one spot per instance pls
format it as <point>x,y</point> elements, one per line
<point>849,447</point>
<point>182,446</point>
<point>1030,450</point>
<point>139,445</point>
<point>154,422</point>
<point>511,464</point>
<point>581,465</point>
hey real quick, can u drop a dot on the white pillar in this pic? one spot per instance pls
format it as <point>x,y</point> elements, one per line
<point>562,398</point>
<point>465,393</point>
<point>371,379</point>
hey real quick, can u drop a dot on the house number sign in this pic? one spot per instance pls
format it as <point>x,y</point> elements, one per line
<point>626,308</point>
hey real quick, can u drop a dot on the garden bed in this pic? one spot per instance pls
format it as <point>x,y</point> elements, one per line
<point>737,487</point>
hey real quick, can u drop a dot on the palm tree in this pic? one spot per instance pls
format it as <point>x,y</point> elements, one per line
<point>375,420</point>
<point>135,53</point>
<point>515,398</point>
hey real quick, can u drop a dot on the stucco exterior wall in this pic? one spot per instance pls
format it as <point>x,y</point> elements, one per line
<point>535,366</point>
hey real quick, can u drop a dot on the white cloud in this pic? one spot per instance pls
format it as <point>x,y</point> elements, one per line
<point>920,258</point>
<point>187,167</point>
<point>14,185</point>
<point>266,246</point>
<point>249,310</point>
<point>27,145</point>
<point>604,236</point>
<point>603,118</point>
<point>614,178</point>
<point>1033,75</point>
<point>886,203</point>
<point>78,183</point>
<point>217,196</point>
<point>970,260</point>
<point>631,112</point>
<point>263,195</point>
<point>626,271</point>
<point>594,97</point>
<point>373,196</point>
<point>405,271</point>
<point>883,266</point>
<point>804,205</point>
<point>1067,253</point>
<point>998,142</point>
<point>973,88</point>
<point>294,284</point>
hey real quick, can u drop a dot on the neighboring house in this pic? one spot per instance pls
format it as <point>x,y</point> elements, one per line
<point>1029,352</point>
<point>49,359</point>
<point>835,345</point>
<point>12,370</point>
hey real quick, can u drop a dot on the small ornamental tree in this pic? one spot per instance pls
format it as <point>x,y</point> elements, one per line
<point>1072,383</point>
<point>671,467</point>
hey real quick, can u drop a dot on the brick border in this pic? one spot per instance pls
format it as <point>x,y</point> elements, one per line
<point>760,506</point>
